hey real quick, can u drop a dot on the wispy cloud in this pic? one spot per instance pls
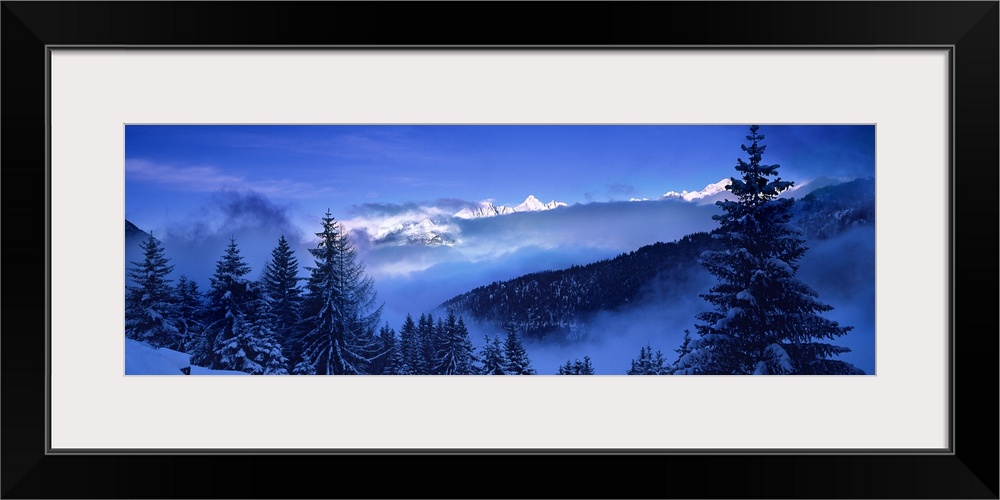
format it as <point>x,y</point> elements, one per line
<point>199,178</point>
<point>208,179</point>
<point>350,143</point>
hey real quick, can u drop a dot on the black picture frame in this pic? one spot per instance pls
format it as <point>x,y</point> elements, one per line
<point>969,28</point>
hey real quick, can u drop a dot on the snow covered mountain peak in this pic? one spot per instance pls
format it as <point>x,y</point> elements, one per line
<point>485,209</point>
<point>488,209</point>
<point>711,189</point>
<point>532,204</point>
<point>426,232</point>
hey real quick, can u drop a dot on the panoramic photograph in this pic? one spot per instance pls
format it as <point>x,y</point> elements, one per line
<point>499,250</point>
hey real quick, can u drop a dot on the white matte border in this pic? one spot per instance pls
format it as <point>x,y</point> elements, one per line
<point>95,92</point>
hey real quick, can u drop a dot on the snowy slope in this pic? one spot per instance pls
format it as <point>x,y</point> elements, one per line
<point>144,359</point>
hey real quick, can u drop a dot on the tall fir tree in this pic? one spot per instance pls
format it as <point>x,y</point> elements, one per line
<point>150,312</point>
<point>455,353</point>
<point>517,362</point>
<point>280,283</point>
<point>341,315</point>
<point>238,335</point>
<point>226,298</point>
<point>765,320</point>
<point>492,357</point>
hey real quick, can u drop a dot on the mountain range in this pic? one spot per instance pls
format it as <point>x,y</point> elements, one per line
<point>560,302</point>
<point>488,209</point>
<point>425,232</point>
<point>441,231</point>
<point>711,189</point>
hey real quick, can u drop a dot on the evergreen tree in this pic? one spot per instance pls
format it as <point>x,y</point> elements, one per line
<point>493,360</point>
<point>428,344</point>
<point>683,350</point>
<point>410,347</point>
<point>239,335</point>
<point>390,347</point>
<point>251,345</point>
<point>439,334</point>
<point>648,363</point>
<point>267,343</point>
<point>280,283</point>
<point>577,367</point>
<point>150,315</point>
<point>395,364</point>
<point>341,314</point>
<point>304,368</point>
<point>190,309</point>
<point>566,369</point>
<point>765,320</point>
<point>517,362</point>
<point>226,298</point>
<point>455,353</point>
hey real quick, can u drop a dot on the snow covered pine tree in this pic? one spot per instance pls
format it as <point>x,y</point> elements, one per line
<point>455,354</point>
<point>280,284</point>
<point>239,336</point>
<point>765,321</point>
<point>340,316</point>
<point>515,355</point>
<point>492,357</point>
<point>149,304</point>
<point>649,363</point>
<point>393,362</point>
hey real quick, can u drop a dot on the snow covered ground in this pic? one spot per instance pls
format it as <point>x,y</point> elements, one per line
<point>144,359</point>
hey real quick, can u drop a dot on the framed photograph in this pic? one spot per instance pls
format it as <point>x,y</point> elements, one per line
<point>428,170</point>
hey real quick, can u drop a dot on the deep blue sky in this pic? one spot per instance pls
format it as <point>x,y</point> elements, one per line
<point>336,167</point>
